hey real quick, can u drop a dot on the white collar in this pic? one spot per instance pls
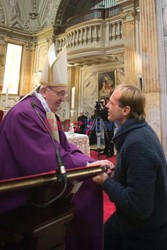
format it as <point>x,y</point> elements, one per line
<point>43,101</point>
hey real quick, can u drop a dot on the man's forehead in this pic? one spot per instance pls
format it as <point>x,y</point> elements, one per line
<point>116,95</point>
<point>63,88</point>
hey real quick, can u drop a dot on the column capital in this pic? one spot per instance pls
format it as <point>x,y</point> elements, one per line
<point>30,45</point>
<point>129,14</point>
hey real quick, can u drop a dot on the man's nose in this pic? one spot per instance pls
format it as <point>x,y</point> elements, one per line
<point>63,97</point>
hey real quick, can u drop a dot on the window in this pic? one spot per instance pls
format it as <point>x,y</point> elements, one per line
<point>12,69</point>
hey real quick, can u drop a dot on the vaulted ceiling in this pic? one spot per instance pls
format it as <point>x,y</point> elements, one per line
<point>31,16</point>
<point>34,15</point>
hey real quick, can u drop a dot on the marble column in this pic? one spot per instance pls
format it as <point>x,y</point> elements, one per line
<point>149,55</point>
<point>162,52</point>
<point>2,61</point>
<point>149,46</point>
<point>2,70</point>
<point>27,69</point>
<point>129,46</point>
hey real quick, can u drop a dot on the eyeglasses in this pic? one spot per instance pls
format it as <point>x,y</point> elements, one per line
<point>61,93</point>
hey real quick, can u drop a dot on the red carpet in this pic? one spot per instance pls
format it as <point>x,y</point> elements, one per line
<point>108,206</point>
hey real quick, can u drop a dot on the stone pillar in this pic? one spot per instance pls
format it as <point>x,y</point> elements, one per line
<point>149,46</point>
<point>149,54</point>
<point>162,52</point>
<point>129,46</point>
<point>2,61</point>
<point>27,69</point>
<point>2,68</point>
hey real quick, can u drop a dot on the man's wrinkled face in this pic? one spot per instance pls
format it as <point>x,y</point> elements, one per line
<point>54,96</point>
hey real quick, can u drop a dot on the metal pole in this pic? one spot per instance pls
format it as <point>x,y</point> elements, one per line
<point>43,179</point>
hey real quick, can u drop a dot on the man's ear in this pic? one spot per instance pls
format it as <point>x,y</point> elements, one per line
<point>127,110</point>
<point>43,92</point>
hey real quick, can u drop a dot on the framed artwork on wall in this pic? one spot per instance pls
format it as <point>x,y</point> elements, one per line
<point>106,84</point>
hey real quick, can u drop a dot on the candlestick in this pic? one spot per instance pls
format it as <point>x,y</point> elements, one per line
<point>73,98</point>
<point>6,97</point>
<point>71,131</point>
<point>0,96</point>
<point>67,110</point>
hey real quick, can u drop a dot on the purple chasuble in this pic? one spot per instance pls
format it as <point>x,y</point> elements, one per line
<point>26,149</point>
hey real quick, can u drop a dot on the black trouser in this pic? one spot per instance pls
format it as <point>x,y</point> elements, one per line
<point>114,239</point>
<point>109,145</point>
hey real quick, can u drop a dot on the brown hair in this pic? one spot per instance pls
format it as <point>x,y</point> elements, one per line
<point>134,98</point>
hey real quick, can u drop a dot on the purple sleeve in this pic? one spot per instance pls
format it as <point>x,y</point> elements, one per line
<point>72,156</point>
<point>33,148</point>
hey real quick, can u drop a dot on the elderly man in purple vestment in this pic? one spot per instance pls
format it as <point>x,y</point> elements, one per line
<point>26,149</point>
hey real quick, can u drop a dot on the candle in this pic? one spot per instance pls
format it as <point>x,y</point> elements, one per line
<point>73,98</point>
<point>6,97</point>
<point>67,110</point>
<point>0,96</point>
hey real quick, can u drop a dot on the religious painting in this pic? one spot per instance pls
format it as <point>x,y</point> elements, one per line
<point>106,84</point>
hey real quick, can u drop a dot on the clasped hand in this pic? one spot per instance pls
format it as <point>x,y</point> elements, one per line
<point>108,173</point>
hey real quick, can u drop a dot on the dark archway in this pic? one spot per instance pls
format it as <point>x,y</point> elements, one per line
<point>71,8</point>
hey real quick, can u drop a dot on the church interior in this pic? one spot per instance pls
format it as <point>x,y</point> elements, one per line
<point>125,38</point>
<point>122,41</point>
